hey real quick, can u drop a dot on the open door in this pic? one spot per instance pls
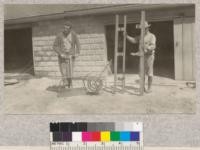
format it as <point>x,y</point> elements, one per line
<point>184,50</point>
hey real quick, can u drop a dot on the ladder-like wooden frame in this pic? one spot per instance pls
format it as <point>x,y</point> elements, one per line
<point>123,54</point>
<point>117,54</point>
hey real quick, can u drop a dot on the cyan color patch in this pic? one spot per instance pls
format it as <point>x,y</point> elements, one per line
<point>125,136</point>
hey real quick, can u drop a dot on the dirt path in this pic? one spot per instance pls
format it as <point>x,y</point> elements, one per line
<point>34,96</point>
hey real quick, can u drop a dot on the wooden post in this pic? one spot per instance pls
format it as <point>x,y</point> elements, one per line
<point>141,47</point>
<point>124,54</point>
<point>116,51</point>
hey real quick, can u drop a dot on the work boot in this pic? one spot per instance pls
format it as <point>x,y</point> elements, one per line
<point>149,90</point>
<point>69,82</point>
<point>65,83</point>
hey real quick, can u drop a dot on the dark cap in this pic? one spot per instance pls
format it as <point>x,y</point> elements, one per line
<point>68,23</point>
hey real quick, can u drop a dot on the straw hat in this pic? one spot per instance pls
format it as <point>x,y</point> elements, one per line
<point>146,25</point>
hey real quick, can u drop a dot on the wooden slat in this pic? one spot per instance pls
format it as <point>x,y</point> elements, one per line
<point>178,46</point>
<point>124,54</point>
<point>187,49</point>
<point>142,71</point>
<point>194,49</point>
<point>116,51</point>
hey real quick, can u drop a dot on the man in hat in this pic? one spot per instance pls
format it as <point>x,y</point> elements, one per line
<point>149,52</point>
<point>67,46</point>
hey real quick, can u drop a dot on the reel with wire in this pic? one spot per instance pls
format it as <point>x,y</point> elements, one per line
<point>93,85</point>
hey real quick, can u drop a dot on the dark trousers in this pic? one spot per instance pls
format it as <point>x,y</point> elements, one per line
<point>66,66</point>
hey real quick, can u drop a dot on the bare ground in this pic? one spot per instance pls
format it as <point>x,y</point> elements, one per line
<point>41,96</point>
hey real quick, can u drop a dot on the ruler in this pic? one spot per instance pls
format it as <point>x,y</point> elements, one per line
<point>96,146</point>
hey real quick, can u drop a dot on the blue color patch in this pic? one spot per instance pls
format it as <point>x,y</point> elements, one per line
<point>125,136</point>
<point>135,136</point>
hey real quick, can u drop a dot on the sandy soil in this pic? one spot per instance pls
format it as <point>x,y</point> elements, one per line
<point>41,96</point>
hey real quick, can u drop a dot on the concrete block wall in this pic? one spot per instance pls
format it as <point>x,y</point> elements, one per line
<point>93,54</point>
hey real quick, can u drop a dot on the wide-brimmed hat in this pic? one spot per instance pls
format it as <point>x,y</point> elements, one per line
<point>146,25</point>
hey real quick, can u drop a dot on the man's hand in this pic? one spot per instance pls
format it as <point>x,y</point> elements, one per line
<point>145,50</point>
<point>148,52</point>
<point>63,55</point>
<point>135,54</point>
<point>75,56</point>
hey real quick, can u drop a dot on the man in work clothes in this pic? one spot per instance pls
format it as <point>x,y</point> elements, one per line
<point>149,53</point>
<point>67,46</point>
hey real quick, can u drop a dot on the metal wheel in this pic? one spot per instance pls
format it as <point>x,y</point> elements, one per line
<point>93,85</point>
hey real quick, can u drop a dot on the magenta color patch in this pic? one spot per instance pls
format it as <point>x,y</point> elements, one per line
<point>86,136</point>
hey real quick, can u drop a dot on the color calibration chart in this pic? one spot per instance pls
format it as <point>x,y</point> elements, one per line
<point>96,136</point>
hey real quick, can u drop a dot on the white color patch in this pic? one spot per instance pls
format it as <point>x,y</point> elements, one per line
<point>77,136</point>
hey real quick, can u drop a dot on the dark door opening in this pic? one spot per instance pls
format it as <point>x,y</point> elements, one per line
<point>18,53</point>
<point>164,56</point>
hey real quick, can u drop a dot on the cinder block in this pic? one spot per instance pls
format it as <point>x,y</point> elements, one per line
<point>46,48</point>
<point>97,40</point>
<point>49,53</point>
<point>52,73</point>
<point>54,58</point>
<point>38,68</point>
<point>37,48</point>
<point>37,53</point>
<point>50,63</point>
<point>40,53</point>
<point>83,36</point>
<point>58,74</point>
<point>39,43</point>
<point>100,63</point>
<point>85,46</point>
<point>49,42</point>
<point>43,38</point>
<point>99,52</point>
<point>94,46</point>
<point>36,64</point>
<point>94,35</point>
<point>42,73</point>
<point>37,58</point>
<point>44,58</point>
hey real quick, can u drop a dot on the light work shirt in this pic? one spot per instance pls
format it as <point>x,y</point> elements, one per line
<point>149,42</point>
<point>68,42</point>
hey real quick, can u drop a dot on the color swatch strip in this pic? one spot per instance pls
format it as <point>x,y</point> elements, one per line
<point>101,136</point>
<point>94,132</point>
<point>94,126</point>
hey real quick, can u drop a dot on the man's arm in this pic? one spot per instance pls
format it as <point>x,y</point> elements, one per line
<point>56,45</point>
<point>132,39</point>
<point>77,44</point>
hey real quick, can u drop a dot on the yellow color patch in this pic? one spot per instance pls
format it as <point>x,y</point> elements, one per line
<point>105,136</point>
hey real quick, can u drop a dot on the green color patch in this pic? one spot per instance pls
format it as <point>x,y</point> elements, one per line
<point>115,136</point>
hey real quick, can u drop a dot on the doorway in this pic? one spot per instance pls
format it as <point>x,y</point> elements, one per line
<point>164,55</point>
<point>18,53</point>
